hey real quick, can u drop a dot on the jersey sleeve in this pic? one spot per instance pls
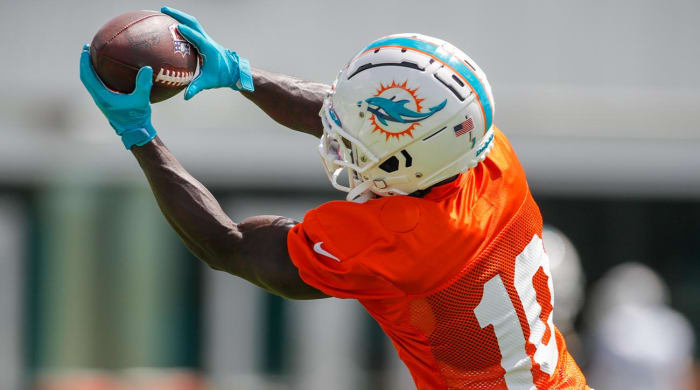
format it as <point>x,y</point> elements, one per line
<point>338,249</point>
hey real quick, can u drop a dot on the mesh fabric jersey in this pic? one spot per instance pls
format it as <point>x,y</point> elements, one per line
<point>459,279</point>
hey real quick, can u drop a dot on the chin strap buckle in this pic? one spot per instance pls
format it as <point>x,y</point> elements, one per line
<point>361,193</point>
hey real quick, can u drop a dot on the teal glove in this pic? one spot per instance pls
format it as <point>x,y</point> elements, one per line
<point>129,114</point>
<point>221,67</point>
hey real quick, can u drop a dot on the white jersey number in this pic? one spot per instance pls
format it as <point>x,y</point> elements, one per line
<point>496,308</point>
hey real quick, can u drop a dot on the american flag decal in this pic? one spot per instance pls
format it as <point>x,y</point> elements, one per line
<point>464,127</point>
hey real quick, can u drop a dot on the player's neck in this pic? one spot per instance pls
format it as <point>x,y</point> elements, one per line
<point>422,193</point>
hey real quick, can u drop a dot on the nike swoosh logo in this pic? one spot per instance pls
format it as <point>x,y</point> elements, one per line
<point>321,251</point>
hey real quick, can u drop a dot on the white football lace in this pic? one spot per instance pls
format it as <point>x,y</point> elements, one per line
<point>174,78</point>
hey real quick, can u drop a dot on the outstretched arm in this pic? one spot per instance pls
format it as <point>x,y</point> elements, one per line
<point>289,101</point>
<point>254,249</point>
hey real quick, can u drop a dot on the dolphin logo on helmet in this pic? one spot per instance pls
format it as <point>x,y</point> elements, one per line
<point>395,111</point>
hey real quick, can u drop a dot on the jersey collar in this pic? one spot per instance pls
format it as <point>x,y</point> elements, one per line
<point>447,189</point>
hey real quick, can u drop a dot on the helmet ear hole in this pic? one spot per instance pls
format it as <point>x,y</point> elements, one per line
<point>409,159</point>
<point>390,165</point>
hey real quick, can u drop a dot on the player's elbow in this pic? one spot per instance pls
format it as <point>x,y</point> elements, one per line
<point>220,253</point>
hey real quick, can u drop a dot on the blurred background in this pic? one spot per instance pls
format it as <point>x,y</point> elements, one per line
<point>601,99</point>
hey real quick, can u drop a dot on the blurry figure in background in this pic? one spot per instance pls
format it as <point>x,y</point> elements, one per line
<point>136,379</point>
<point>569,281</point>
<point>637,341</point>
<point>77,381</point>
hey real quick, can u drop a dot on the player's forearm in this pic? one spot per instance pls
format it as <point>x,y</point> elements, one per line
<point>189,207</point>
<point>291,102</point>
<point>255,249</point>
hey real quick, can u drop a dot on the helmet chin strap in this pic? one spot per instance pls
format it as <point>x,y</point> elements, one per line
<point>360,193</point>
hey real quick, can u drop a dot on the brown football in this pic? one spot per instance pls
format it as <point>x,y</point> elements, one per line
<point>143,38</point>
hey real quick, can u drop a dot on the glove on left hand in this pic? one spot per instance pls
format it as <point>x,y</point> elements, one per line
<point>129,114</point>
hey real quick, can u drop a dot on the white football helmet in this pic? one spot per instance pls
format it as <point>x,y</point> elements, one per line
<point>405,113</point>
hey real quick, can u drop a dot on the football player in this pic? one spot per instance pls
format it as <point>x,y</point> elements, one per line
<point>439,239</point>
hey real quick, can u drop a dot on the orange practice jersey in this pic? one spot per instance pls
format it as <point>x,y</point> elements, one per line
<point>458,279</point>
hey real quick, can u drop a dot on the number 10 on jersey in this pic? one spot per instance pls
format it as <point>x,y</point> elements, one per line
<point>496,308</point>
